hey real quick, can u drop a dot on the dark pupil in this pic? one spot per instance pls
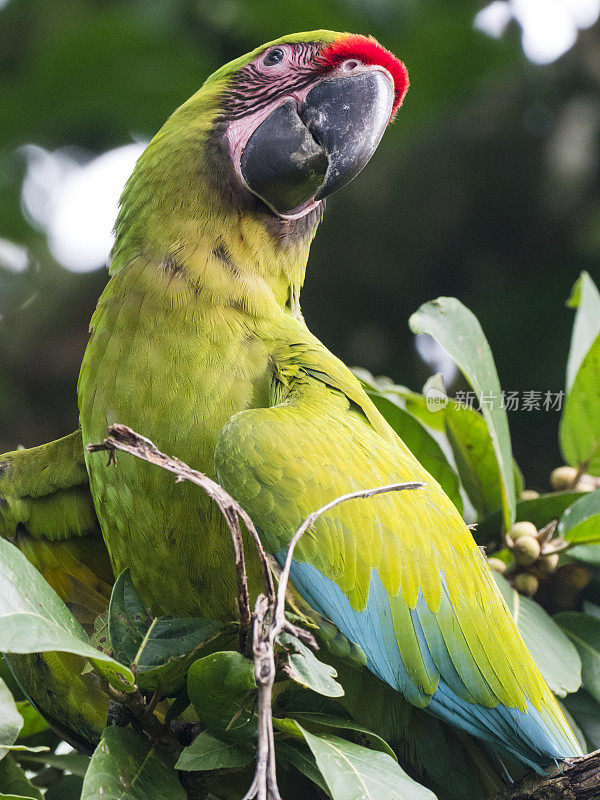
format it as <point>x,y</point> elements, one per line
<point>274,57</point>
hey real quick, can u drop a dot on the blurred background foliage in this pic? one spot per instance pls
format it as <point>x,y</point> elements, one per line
<point>486,187</point>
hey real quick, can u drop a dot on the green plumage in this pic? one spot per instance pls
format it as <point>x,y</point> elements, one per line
<point>198,343</point>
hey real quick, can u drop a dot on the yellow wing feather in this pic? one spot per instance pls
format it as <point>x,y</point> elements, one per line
<point>324,438</point>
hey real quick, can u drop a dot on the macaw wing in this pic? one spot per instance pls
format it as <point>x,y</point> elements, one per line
<point>46,510</point>
<point>44,491</point>
<point>399,573</point>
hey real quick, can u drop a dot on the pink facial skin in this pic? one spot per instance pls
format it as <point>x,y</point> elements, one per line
<point>291,78</point>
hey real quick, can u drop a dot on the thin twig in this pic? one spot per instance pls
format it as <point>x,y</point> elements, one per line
<point>128,441</point>
<point>269,622</point>
<point>581,470</point>
<point>310,521</point>
<point>154,701</point>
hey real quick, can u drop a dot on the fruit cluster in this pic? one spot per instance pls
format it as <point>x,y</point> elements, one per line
<point>531,556</point>
<point>534,557</point>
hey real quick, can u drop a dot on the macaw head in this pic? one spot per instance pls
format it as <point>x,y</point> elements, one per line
<point>258,148</point>
<point>301,116</point>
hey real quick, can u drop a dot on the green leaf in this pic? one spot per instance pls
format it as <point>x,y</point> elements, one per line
<point>581,521</point>
<point>306,669</point>
<point>414,402</point>
<point>126,767</point>
<point>68,787</point>
<point>73,762</point>
<point>220,687</point>
<point>14,781</point>
<point>100,638</point>
<point>557,659</point>
<point>353,772</point>
<point>585,710</point>
<point>421,444</point>
<point>580,422</point>
<point>34,619</point>
<point>180,703</point>
<point>33,722</point>
<point>207,752</point>
<point>294,700</point>
<point>475,458</point>
<point>14,797</point>
<point>11,721</point>
<point>161,648</point>
<point>128,620</point>
<point>584,632</point>
<point>171,646</point>
<point>9,679</point>
<point>315,722</point>
<point>577,732</point>
<point>457,330</point>
<point>467,435</point>
<point>300,757</point>
<point>417,405</point>
<point>586,299</point>
<point>587,553</point>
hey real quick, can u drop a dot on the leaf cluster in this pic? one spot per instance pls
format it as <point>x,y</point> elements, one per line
<point>470,454</point>
<point>175,669</point>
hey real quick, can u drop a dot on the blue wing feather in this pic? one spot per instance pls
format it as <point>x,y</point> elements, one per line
<point>529,736</point>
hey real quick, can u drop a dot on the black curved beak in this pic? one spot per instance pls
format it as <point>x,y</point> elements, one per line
<point>293,159</point>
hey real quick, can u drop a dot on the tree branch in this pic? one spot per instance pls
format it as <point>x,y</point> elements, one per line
<point>572,779</point>
<point>128,441</point>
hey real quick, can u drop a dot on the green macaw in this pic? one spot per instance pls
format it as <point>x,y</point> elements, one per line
<point>198,342</point>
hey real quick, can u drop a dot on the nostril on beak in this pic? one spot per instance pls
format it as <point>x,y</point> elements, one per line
<point>350,65</point>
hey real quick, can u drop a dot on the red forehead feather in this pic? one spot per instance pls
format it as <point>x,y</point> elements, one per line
<point>369,51</point>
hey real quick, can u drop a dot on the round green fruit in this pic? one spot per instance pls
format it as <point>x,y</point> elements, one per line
<point>562,478</point>
<point>526,551</point>
<point>529,494</point>
<point>526,584</point>
<point>497,565</point>
<point>522,529</point>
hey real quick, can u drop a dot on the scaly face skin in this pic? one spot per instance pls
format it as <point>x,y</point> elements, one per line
<point>300,128</point>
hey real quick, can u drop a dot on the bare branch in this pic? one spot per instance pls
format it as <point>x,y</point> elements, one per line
<point>159,733</point>
<point>572,779</point>
<point>269,622</point>
<point>128,441</point>
<point>264,785</point>
<point>310,521</point>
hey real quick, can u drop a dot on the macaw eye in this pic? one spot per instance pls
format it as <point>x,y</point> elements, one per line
<point>273,57</point>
